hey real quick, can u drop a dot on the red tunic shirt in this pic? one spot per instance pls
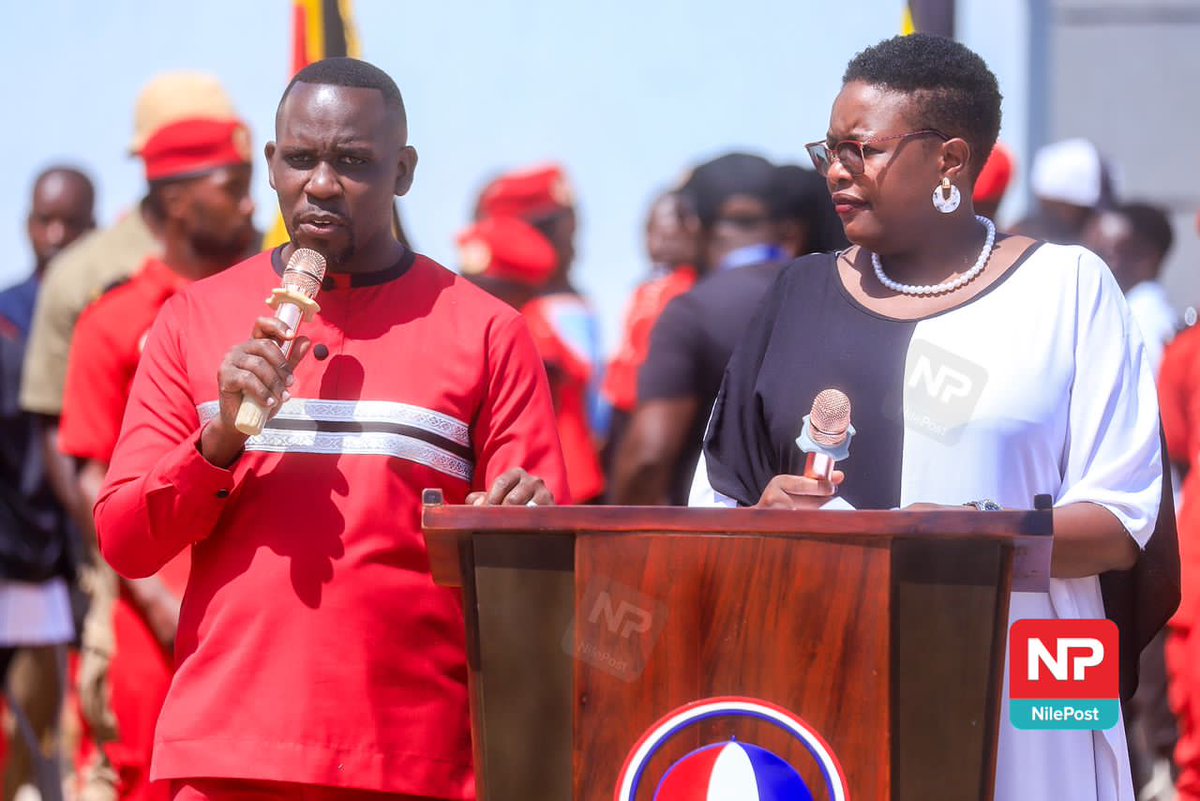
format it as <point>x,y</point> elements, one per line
<point>313,644</point>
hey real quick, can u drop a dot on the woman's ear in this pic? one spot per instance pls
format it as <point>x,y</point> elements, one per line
<point>955,158</point>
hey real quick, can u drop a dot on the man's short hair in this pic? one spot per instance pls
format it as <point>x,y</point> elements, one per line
<point>1151,225</point>
<point>352,72</point>
<point>70,173</point>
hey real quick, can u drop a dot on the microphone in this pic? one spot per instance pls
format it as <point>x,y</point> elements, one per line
<point>293,302</point>
<point>825,436</point>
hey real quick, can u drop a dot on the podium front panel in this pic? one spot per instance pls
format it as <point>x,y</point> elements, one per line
<point>666,620</point>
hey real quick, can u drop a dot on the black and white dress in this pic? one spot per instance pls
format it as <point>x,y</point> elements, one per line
<point>1039,384</point>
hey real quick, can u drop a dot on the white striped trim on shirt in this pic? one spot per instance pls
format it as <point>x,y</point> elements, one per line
<point>367,427</point>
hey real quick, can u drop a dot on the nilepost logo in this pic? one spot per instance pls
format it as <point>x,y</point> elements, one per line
<point>616,628</point>
<point>941,390</point>
<point>1064,674</point>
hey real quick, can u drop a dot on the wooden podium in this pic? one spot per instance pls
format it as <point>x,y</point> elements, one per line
<point>883,632</point>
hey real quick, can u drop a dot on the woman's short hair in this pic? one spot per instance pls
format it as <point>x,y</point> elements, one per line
<point>952,87</point>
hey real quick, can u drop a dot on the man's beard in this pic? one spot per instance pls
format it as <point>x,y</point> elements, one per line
<point>222,249</point>
<point>340,258</point>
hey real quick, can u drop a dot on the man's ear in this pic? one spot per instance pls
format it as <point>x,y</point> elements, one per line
<point>173,199</point>
<point>269,152</point>
<point>405,167</point>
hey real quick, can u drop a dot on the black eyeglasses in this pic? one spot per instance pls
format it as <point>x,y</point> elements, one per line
<point>850,151</point>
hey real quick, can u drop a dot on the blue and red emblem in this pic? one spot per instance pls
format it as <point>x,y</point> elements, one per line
<point>731,770</point>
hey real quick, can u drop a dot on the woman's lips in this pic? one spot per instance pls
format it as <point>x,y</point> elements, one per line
<point>844,205</point>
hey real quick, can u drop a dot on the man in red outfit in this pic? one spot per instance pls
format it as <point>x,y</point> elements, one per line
<point>316,657</point>
<point>198,171</point>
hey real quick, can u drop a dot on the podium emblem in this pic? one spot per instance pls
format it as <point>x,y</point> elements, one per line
<point>731,770</point>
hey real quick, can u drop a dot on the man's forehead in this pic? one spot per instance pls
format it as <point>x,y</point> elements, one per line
<point>329,103</point>
<point>58,186</point>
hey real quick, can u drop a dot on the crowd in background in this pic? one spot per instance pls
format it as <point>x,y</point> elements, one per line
<point>87,655</point>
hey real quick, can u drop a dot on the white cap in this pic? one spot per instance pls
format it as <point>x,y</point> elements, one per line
<point>1071,171</point>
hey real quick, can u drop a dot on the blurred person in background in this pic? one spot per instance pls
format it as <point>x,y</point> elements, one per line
<point>1179,400</point>
<point>79,275</point>
<point>1134,239</point>
<point>564,325</point>
<point>736,198</point>
<point>1070,182</point>
<point>672,233</point>
<point>198,189</point>
<point>807,220</point>
<point>507,257</point>
<point>37,557</point>
<point>993,181</point>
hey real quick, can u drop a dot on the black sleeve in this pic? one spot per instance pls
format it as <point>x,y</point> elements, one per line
<point>672,366</point>
<point>738,451</point>
<point>1142,599</point>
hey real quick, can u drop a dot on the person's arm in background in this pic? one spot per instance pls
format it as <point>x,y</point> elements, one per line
<point>93,403</point>
<point>1175,391</point>
<point>43,377</point>
<point>666,411</point>
<point>651,449</point>
<point>64,479</point>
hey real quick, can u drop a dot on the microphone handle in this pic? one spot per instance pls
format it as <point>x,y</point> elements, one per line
<point>252,416</point>
<point>818,465</point>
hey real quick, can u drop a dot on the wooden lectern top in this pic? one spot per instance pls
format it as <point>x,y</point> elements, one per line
<point>446,525</point>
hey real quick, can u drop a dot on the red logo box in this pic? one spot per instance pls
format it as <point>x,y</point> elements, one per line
<point>1064,660</point>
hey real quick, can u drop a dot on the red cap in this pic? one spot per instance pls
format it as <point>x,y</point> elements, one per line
<point>527,193</point>
<point>194,146</point>
<point>995,175</point>
<point>508,248</point>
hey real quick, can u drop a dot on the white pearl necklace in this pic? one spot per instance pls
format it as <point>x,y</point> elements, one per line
<point>949,286</point>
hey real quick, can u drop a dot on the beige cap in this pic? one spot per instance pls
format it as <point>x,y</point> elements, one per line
<point>174,96</point>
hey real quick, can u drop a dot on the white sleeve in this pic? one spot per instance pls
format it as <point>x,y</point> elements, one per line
<point>1113,454</point>
<point>702,493</point>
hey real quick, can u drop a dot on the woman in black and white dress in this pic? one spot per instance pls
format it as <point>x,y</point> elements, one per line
<point>981,368</point>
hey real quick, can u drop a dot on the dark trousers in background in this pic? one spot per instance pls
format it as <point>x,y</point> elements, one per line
<point>1150,726</point>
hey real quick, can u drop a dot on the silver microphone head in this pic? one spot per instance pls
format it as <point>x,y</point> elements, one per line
<point>830,418</point>
<point>304,272</point>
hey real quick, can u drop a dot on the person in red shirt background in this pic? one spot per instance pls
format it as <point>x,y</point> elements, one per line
<point>563,323</point>
<point>316,657</point>
<point>199,172</point>
<point>672,231</point>
<point>1179,404</point>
